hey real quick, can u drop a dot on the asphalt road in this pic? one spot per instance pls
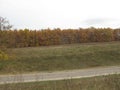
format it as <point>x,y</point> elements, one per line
<point>59,75</point>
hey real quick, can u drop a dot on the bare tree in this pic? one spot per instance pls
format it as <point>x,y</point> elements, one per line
<point>4,24</point>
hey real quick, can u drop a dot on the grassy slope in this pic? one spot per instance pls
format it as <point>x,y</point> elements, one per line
<point>110,82</point>
<point>62,57</point>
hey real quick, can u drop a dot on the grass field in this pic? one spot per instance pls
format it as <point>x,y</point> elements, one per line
<point>62,57</point>
<point>110,82</point>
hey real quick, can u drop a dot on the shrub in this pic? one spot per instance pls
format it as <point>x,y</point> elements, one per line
<point>3,55</point>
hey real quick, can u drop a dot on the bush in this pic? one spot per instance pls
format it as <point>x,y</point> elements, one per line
<point>3,56</point>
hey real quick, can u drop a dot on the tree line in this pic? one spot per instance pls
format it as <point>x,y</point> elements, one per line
<point>45,37</point>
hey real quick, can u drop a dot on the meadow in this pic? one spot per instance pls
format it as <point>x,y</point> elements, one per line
<point>61,57</point>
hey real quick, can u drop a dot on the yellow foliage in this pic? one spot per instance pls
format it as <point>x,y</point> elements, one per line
<point>3,56</point>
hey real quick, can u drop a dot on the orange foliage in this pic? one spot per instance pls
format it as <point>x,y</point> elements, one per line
<point>30,38</point>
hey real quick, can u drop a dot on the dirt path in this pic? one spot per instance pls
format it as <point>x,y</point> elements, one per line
<point>60,75</point>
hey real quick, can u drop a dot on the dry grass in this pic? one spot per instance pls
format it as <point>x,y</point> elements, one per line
<point>63,57</point>
<point>110,82</point>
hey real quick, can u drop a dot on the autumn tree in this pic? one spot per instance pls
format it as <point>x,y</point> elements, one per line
<point>45,37</point>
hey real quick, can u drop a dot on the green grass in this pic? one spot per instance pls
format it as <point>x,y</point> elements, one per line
<point>109,82</point>
<point>63,57</point>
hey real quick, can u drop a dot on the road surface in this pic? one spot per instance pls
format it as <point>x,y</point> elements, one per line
<point>59,75</point>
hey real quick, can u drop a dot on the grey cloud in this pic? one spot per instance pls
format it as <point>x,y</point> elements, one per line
<point>96,21</point>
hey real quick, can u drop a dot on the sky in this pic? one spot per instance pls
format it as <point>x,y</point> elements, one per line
<point>41,14</point>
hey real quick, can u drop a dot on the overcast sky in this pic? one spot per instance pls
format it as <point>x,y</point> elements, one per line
<point>39,14</point>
